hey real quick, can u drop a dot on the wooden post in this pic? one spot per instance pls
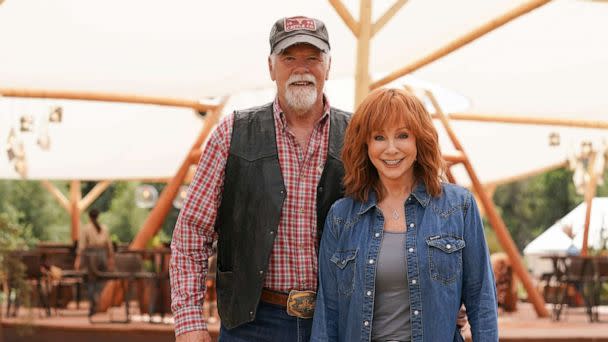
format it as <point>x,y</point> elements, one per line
<point>495,220</point>
<point>363,42</point>
<point>75,195</point>
<point>589,195</point>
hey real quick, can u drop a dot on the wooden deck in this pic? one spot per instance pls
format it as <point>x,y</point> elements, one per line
<point>73,325</point>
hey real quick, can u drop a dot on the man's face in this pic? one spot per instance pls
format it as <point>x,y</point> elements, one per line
<point>300,72</point>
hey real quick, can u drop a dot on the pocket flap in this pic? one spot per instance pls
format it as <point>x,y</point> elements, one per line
<point>341,258</point>
<point>448,244</point>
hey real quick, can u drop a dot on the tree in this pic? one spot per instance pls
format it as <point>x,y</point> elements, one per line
<point>530,206</point>
<point>30,204</point>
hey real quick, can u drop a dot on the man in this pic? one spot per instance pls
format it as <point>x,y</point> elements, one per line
<point>264,184</point>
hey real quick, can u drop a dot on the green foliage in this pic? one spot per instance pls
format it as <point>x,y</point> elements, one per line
<point>124,218</point>
<point>14,236</point>
<point>28,203</point>
<point>530,206</point>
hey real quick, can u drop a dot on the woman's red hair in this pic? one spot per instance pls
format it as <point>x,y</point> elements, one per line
<point>382,108</point>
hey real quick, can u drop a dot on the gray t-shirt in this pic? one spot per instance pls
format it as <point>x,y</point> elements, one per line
<point>392,298</point>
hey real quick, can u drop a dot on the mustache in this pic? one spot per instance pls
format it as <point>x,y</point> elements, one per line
<point>302,78</point>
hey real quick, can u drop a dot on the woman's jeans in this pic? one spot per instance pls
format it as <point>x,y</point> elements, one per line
<point>272,323</point>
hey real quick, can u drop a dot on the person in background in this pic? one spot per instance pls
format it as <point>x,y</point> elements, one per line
<point>94,242</point>
<point>403,250</point>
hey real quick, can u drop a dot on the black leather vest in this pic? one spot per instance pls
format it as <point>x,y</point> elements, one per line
<point>253,195</point>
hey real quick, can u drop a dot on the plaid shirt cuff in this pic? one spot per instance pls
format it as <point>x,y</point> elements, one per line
<point>189,318</point>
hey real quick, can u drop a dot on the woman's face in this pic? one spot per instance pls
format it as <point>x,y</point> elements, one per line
<point>393,151</point>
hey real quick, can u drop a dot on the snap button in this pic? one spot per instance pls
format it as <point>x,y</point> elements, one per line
<point>261,272</point>
<point>448,246</point>
<point>377,235</point>
<point>416,312</point>
<point>414,281</point>
<point>371,261</point>
<point>366,323</point>
<point>411,250</point>
<point>411,225</point>
<point>369,293</point>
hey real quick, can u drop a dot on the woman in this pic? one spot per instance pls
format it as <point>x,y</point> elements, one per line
<point>94,242</point>
<point>403,250</point>
<point>95,237</point>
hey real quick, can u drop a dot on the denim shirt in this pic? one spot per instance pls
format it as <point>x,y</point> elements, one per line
<point>447,264</point>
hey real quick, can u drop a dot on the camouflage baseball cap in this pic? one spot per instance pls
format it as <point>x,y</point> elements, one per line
<point>297,30</point>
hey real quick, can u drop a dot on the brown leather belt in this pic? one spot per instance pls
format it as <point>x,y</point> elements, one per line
<point>274,297</point>
<point>298,303</point>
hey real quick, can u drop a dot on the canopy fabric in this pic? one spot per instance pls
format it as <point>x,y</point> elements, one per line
<point>549,63</point>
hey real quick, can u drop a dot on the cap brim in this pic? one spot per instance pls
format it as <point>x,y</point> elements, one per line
<point>301,39</point>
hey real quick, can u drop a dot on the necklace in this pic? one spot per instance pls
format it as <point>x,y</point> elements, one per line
<point>396,215</point>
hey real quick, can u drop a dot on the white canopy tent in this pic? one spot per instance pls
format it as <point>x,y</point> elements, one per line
<point>555,241</point>
<point>548,63</point>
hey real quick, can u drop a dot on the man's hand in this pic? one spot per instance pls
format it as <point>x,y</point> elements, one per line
<point>194,336</point>
<point>462,319</point>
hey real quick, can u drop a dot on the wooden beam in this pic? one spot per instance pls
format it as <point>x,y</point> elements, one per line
<point>106,97</point>
<point>344,13</point>
<point>363,41</point>
<point>379,24</point>
<point>502,233</point>
<point>461,41</point>
<point>89,198</point>
<point>589,195</point>
<point>57,194</point>
<point>529,120</point>
<point>75,196</point>
<point>450,175</point>
<point>454,158</point>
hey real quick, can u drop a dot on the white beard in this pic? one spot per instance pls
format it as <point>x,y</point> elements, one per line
<point>301,99</point>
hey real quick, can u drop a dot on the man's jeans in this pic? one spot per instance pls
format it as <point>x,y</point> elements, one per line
<point>272,323</point>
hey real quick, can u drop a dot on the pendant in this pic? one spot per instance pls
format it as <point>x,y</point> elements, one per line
<point>395,215</point>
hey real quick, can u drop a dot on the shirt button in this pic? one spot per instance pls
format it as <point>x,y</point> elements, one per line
<point>366,323</point>
<point>411,225</point>
<point>411,250</point>
<point>416,312</point>
<point>272,232</point>
<point>301,210</point>
<point>251,313</point>
<point>261,272</point>
<point>377,235</point>
<point>282,191</point>
<point>448,246</point>
<point>371,261</point>
<point>369,293</point>
<point>414,281</point>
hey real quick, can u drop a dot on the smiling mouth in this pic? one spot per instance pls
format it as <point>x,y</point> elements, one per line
<point>393,162</point>
<point>302,84</point>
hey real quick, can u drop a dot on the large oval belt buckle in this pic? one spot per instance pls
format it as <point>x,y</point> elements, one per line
<point>301,304</point>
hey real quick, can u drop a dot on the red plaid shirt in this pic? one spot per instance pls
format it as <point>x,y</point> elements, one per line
<point>293,261</point>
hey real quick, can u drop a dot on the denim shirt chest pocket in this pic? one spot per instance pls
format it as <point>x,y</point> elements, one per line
<point>345,271</point>
<point>445,257</point>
